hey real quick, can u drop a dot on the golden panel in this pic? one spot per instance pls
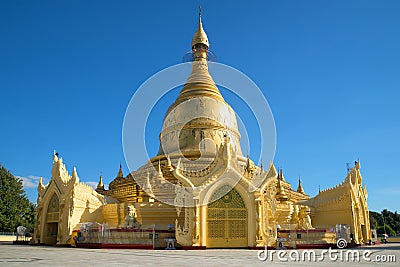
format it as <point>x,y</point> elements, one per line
<point>52,217</point>
<point>54,204</point>
<point>221,199</point>
<point>227,219</point>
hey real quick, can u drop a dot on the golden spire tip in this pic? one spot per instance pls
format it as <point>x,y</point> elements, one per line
<point>200,37</point>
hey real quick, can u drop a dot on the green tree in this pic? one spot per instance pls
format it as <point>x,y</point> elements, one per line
<point>390,219</point>
<point>373,222</point>
<point>375,219</point>
<point>15,207</point>
<point>389,231</point>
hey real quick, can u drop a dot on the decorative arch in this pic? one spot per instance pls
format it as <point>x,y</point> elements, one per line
<point>232,199</point>
<point>234,179</point>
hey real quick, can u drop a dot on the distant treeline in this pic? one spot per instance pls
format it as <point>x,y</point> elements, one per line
<point>385,221</point>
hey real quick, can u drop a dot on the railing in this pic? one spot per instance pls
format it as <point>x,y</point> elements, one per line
<point>8,233</point>
<point>93,234</point>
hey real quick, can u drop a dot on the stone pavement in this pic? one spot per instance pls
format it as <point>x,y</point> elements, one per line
<point>13,255</point>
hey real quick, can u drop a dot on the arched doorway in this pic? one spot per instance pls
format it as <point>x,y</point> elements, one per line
<point>227,219</point>
<point>52,219</point>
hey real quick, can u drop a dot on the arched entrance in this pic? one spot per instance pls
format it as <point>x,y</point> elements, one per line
<point>52,219</point>
<point>227,219</point>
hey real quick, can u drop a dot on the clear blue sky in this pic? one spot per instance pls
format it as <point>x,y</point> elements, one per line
<point>330,71</point>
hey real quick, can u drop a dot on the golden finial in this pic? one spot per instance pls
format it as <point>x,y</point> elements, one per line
<point>358,165</point>
<point>280,175</point>
<point>40,185</point>
<point>120,175</point>
<point>200,36</point>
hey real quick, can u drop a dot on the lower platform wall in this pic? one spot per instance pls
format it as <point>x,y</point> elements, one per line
<point>147,237</point>
<point>295,238</point>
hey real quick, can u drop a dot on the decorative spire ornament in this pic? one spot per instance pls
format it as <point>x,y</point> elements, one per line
<point>100,185</point>
<point>120,174</point>
<point>200,36</point>
<point>300,188</point>
<point>280,190</point>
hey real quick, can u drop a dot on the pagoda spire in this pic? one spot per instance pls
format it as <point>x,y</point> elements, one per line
<point>200,36</point>
<point>160,173</point>
<point>147,184</point>
<point>100,185</point>
<point>75,175</point>
<point>199,83</point>
<point>300,188</point>
<point>280,175</point>
<point>120,174</point>
<point>169,164</point>
<point>280,190</point>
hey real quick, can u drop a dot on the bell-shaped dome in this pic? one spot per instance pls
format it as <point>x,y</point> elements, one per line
<point>200,118</point>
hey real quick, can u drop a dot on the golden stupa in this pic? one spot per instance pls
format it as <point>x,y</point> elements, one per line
<point>217,198</point>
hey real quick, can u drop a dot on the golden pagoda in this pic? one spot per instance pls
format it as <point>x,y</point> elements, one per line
<point>210,196</point>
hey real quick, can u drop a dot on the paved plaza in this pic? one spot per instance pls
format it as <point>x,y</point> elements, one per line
<point>13,255</point>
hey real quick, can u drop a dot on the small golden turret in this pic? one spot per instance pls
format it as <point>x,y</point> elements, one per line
<point>160,173</point>
<point>100,185</point>
<point>169,164</point>
<point>250,168</point>
<point>147,185</point>
<point>120,175</point>
<point>40,185</point>
<point>300,188</point>
<point>280,190</point>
